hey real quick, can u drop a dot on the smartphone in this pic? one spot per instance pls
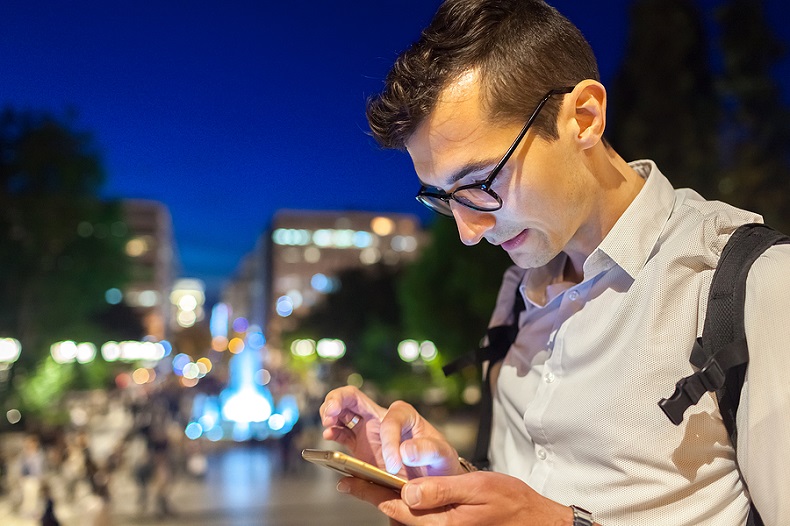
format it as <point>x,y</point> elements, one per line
<point>348,465</point>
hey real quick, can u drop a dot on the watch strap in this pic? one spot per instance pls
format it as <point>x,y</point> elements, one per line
<point>582,517</point>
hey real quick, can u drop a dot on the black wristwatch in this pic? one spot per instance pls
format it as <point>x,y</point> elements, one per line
<point>582,517</point>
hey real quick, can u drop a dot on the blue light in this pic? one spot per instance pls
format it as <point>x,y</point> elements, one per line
<point>362,239</point>
<point>214,434</point>
<point>193,431</point>
<point>255,340</point>
<point>240,324</point>
<point>220,315</point>
<point>243,401</point>
<point>319,282</point>
<point>285,306</point>
<point>179,362</point>
<point>113,296</point>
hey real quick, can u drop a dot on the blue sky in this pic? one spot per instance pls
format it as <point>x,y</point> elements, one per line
<point>229,111</point>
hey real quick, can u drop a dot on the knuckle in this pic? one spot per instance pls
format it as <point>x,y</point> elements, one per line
<point>401,406</point>
<point>439,494</point>
<point>389,508</point>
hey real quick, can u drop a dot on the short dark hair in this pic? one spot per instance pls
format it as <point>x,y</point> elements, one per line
<point>521,49</point>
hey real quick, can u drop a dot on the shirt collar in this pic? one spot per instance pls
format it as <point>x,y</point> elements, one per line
<point>631,240</point>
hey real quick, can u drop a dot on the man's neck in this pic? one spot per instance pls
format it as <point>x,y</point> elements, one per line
<point>618,185</point>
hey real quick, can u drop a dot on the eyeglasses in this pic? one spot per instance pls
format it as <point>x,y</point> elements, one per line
<point>480,196</point>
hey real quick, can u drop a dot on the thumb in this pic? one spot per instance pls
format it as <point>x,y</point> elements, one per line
<point>434,492</point>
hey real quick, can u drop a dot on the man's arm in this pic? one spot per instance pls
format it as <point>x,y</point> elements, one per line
<point>763,415</point>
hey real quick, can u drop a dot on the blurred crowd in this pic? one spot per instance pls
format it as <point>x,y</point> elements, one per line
<point>69,475</point>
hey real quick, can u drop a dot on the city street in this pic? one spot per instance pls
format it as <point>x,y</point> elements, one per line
<point>243,486</point>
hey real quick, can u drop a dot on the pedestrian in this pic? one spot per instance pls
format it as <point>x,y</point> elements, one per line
<point>48,518</point>
<point>32,469</point>
<point>500,107</point>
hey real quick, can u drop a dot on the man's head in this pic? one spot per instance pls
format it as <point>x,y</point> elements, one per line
<point>520,48</point>
<point>459,101</point>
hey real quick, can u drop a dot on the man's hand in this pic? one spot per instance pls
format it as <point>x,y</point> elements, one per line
<point>397,439</point>
<point>471,499</point>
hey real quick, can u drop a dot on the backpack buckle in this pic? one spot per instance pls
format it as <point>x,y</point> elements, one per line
<point>690,389</point>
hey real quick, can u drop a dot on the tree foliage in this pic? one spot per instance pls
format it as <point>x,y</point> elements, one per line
<point>664,104</point>
<point>363,312</point>
<point>720,130</point>
<point>449,292</point>
<point>445,296</point>
<point>755,141</point>
<point>61,246</point>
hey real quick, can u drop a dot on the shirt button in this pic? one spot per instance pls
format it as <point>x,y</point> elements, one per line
<point>549,377</point>
<point>573,295</point>
<point>542,454</point>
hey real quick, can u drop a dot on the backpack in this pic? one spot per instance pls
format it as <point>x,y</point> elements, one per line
<point>721,354</point>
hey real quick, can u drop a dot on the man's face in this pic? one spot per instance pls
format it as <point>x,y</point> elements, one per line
<point>545,198</point>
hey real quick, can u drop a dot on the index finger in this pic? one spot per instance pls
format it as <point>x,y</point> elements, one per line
<point>399,421</point>
<point>341,404</point>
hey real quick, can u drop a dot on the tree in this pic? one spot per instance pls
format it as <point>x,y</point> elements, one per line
<point>756,135</point>
<point>365,314</point>
<point>664,102</point>
<point>723,132</point>
<point>448,294</point>
<point>61,247</point>
<point>445,296</point>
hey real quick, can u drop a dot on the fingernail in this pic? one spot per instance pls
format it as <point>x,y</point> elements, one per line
<point>393,466</point>
<point>412,494</point>
<point>343,487</point>
<point>410,452</point>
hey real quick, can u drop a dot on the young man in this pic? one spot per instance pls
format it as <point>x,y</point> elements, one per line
<point>500,108</point>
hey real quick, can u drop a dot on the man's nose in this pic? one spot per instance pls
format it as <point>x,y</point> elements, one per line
<point>472,224</point>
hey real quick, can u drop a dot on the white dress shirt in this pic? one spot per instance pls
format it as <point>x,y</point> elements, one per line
<point>576,412</point>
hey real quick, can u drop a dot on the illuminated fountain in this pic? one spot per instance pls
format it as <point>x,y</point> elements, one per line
<point>245,403</point>
<point>245,409</point>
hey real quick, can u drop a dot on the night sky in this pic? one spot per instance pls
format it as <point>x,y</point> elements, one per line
<point>229,111</point>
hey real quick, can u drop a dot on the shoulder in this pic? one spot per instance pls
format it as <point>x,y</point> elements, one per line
<point>768,282</point>
<point>698,229</point>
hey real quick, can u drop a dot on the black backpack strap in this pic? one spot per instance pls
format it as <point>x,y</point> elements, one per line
<point>722,353</point>
<point>499,339</point>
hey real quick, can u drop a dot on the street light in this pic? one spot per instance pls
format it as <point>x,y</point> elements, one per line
<point>10,350</point>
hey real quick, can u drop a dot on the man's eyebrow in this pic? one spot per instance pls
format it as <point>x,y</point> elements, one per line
<point>476,166</point>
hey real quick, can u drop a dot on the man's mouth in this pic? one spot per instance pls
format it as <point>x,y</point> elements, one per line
<point>515,242</point>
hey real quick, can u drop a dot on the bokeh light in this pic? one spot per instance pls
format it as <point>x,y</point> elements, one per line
<point>236,345</point>
<point>408,350</point>
<point>331,349</point>
<point>113,296</point>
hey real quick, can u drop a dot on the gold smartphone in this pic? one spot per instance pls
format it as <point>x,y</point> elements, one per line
<point>348,465</point>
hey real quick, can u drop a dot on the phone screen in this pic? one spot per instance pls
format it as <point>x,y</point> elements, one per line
<point>348,465</point>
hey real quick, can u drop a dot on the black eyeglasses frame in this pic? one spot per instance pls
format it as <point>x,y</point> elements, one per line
<point>426,196</point>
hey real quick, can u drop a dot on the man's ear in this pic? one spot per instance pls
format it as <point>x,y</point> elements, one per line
<point>588,121</point>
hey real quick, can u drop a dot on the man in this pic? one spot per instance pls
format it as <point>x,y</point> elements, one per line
<point>614,266</point>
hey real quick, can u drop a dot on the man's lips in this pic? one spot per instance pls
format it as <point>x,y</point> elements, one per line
<point>515,242</point>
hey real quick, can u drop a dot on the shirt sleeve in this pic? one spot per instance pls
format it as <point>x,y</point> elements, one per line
<point>763,418</point>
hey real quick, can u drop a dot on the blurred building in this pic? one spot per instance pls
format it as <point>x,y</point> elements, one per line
<point>152,251</point>
<point>296,262</point>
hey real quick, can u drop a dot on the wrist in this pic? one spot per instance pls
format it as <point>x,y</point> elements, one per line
<point>466,466</point>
